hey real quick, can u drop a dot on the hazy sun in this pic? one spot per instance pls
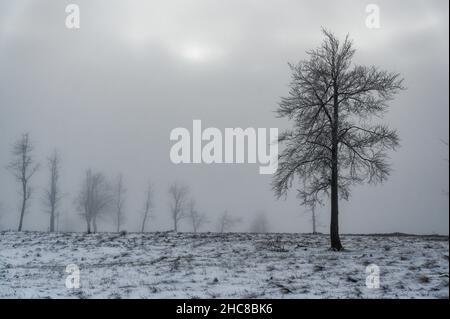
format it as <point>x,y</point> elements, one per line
<point>197,53</point>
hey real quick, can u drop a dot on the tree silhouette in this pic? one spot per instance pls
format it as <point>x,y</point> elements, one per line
<point>333,145</point>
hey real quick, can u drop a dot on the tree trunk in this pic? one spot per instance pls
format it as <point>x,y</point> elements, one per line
<point>22,212</point>
<point>175,225</point>
<point>24,202</point>
<point>334,225</point>
<point>143,223</point>
<point>314,221</point>
<point>52,220</point>
<point>88,226</point>
<point>94,224</point>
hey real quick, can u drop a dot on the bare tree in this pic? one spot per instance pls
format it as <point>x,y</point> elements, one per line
<point>260,223</point>
<point>23,167</point>
<point>197,219</point>
<point>314,220</point>
<point>52,194</point>
<point>147,206</point>
<point>226,222</point>
<point>178,195</point>
<point>119,201</point>
<point>94,199</point>
<point>333,145</point>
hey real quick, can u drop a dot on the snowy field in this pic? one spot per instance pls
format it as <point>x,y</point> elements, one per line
<point>207,265</point>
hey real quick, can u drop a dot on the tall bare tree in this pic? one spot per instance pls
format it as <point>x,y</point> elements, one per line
<point>94,199</point>
<point>52,195</point>
<point>196,218</point>
<point>23,167</point>
<point>226,222</point>
<point>333,144</point>
<point>178,196</point>
<point>147,206</point>
<point>119,201</point>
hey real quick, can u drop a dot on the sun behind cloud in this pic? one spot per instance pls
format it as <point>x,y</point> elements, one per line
<point>199,53</point>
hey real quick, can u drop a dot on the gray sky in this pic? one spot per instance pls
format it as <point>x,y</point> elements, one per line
<point>108,95</point>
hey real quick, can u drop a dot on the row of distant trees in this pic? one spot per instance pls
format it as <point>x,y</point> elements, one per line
<point>99,198</point>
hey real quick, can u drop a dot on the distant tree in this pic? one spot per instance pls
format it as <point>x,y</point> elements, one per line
<point>23,167</point>
<point>119,201</point>
<point>333,145</point>
<point>226,222</point>
<point>52,195</point>
<point>178,196</point>
<point>147,206</point>
<point>94,199</point>
<point>197,219</point>
<point>260,223</point>
<point>313,219</point>
<point>315,224</point>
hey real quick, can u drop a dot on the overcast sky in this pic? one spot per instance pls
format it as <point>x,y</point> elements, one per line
<point>108,94</point>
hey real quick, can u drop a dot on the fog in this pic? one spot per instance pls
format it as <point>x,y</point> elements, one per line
<point>107,96</point>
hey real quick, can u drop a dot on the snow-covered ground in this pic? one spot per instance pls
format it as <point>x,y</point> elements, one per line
<point>208,265</point>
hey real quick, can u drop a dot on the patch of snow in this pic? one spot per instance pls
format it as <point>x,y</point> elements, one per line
<point>209,265</point>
